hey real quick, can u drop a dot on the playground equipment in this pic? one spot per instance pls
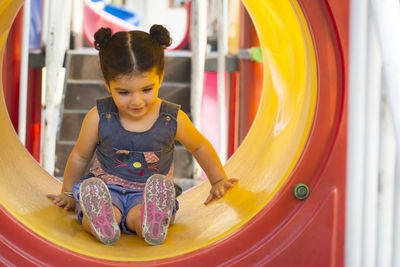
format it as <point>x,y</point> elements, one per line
<point>298,137</point>
<point>117,19</point>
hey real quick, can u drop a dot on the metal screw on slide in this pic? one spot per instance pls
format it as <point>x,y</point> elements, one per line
<point>301,191</point>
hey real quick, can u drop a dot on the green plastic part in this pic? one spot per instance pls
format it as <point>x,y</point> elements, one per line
<point>256,54</point>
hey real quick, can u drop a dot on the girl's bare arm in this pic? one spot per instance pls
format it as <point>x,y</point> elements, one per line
<point>79,158</point>
<point>205,155</point>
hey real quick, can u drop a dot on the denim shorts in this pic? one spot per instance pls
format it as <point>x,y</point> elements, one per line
<point>122,198</point>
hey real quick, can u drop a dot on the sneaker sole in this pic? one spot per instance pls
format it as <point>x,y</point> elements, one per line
<point>96,204</point>
<point>157,208</point>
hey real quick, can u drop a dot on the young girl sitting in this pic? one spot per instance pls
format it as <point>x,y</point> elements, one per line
<point>129,185</point>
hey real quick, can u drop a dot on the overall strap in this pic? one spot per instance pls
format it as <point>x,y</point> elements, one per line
<point>106,105</point>
<point>169,108</point>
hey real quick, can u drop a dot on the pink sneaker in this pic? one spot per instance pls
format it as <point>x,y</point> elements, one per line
<point>158,205</point>
<point>96,204</point>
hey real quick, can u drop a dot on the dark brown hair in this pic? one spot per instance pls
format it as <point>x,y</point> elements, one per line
<point>133,52</point>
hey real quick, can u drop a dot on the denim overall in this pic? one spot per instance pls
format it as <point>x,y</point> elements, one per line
<point>150,152</point>
<point>125,160</point>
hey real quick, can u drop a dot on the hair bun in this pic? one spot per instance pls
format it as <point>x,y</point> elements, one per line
<point>161,35</point>
<point>102,37</point>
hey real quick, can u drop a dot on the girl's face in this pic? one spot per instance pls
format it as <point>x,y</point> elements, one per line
<point>135,95</point>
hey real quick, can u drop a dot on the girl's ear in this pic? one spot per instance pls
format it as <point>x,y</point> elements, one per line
<point>161,77</point>
<point>107,86</point>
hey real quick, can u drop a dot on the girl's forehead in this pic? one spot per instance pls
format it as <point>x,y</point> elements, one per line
<point>144,77</point>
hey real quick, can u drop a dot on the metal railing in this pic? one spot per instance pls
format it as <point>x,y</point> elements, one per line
<point>373,162</point>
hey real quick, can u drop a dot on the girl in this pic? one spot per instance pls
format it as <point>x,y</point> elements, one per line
<point>129,185</point>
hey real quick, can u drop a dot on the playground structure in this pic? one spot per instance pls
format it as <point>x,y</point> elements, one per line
<point>117,19</point>
<point>298,136</point>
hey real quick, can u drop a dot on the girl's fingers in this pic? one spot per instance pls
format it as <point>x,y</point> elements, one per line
<point>221,192</point>
<point>55,198</point>
<point>71,205</point>
<point>209,198</point>
<point>61,201</point>
<point>229,185</point>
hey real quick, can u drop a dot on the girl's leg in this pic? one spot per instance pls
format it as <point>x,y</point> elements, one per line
<point>133,220</point>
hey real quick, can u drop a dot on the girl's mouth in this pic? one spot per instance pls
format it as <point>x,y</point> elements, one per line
<point>136,110</point>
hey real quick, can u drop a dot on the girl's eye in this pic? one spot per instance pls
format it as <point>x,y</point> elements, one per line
<point>147,90</point>
<point>122,93</point>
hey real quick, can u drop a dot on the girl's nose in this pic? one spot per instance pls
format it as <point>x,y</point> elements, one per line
<point>136,99</point>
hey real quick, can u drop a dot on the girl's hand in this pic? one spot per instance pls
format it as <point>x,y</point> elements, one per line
<point>63,201</point>
<point>219,188</point>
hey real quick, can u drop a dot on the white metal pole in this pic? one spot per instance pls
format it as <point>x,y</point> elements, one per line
<point>57,45</point>
<point>387,15</point>
<point>356,132</point>
<point>23,79</point>
<point>198,35</point>
<point>77,23</point>
<point>199,42</point>
<point>222,52</point>
<point>387,161</point>
<point>43,120</point>
<point>45,22</point>
<point>373,100</point>
<point>396,200</point>
<point>44,34</point>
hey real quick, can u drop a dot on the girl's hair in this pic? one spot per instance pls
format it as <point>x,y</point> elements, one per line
<point>133,52</point>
